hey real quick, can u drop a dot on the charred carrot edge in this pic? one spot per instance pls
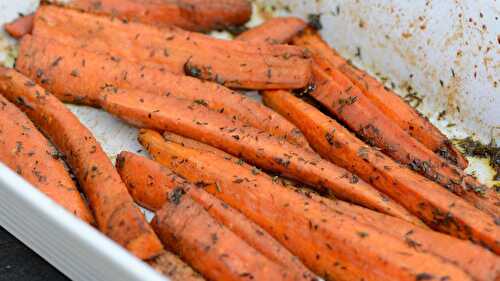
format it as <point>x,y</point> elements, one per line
<point>167,113</point>
<point>308,229</point>
<point>229,63</point>
<point>113,208</point>
<point>26,151</point>
<point>20,26</point>
<point>393,106</point>
<point>347,103</point>
<point>78,76</point>
<point>150,183</point>
<point>174,268</point>
<point>209,246</point>
<point>274,31</point>
<point>478,262</point>
<point>437,207</point>
<point>197,15</point>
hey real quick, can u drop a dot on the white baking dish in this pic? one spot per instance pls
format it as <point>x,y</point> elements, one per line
<point>82,253</point>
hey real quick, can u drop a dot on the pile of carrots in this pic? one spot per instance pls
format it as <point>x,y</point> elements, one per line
<point>364,188</point>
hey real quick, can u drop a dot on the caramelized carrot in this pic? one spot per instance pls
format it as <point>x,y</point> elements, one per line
<point>348,104</point>
<point>277,30</point>
<point>210,247</point>
<point>113,208</point>
<point>150,183</point>
<point>78,76</point>
<point>393,106</point>
<point>440,209</point>
<point>333,245</point>
<point>230,63</point>
<point>195,121</point>
<point>174,268</point>
<point>26,151</point>
<point>20,26</point>
<point>197,15</point>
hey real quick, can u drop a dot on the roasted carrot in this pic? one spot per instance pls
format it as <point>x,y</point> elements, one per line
<point>174,268</point>
<point>348,104</point>
<point>195,121</point>
<point>196,15</point>
<point>277,30</point>
<point>478,262</point>
<point>150,183</point>
<point>210,247</point>
<point>113,207</point>
<point>78,76</point>
<point>27,152</point>
<point>327,242</point>
<point>343,97</point>
<point>437,207</point>
<point>230,63</point>
<point>393,106</point>
<point>20,26</point>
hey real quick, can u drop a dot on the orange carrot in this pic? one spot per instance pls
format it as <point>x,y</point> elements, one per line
<point>393,106</point>
<point>230,63</point>
<point>274,31</point>
<point>195,121</point>
<point>150,183</point>
<point>174,268</point>
<point>478,262</point>
<point>440,209</point>
<point>78,76</point>
<point>20,26</point>
<point>197,15</point>
<point>26,151</point>
<point>348,104</point>
<point>210,247</point>
<point>333,245</point>
<point>113,207</point>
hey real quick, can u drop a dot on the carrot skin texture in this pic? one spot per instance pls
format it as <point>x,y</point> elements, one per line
<point>174,268</point>
<point>348,103</point>
<point>150,183</point>
<point>114,210</point>
<point>208,246</point>
<point>20,26</point>
<point>196,15</point>
<point>393,106</point>
<point>277,30</point>
<point>80,77</point>
<point>197,122</point>
<point>26,151</point>
<point>230,63</point>
<point>437,207</point>
<point>308,229</point>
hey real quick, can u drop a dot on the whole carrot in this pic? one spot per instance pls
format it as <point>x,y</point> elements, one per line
<point>20,26</point>
<point>113,208</point>
<point>229,63</point>
<point>26,151</point>
<point>150,183</point>
<point>79,76</point>
<point>195,121</point>
<point>437,207</point>
<point>210,247</point>
<point>197,15</point>
<point>387,101</point>
<point>308,229</point>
